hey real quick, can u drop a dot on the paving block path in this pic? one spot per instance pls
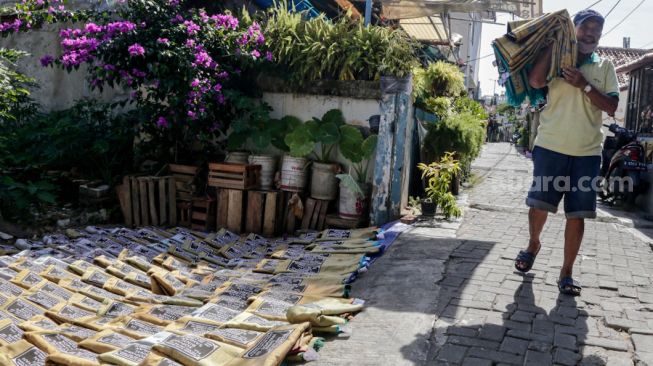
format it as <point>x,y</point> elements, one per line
<point>448,294</point>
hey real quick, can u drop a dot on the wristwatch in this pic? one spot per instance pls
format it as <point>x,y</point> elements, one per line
<point>587,88</point>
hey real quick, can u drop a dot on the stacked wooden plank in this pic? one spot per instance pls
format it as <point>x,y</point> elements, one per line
<point>315,213</point>
<point>263,212</point>
<point>148,200</point>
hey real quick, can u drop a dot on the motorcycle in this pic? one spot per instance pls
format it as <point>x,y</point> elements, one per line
<point>623,162</point>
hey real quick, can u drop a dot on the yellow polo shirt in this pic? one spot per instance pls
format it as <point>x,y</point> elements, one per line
<point>570,124</point>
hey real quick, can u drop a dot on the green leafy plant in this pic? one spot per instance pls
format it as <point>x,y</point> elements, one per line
<point>438,177</point>
<point>469,105</point>
<point>16,197</point>
<point>323,133</point>
<point>524,139</point>
<point>15,101</point>
<point>358,151</point>
<point>342,49</point>
<point>440,106</point>
<point>437,79</point>
<point>252,124</point>
<point>326,134</point>
<point>414,205</point>
<point>461,133</point>
<point>87,137</point>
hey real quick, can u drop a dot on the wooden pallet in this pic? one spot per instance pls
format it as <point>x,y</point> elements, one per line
<point>231,207</point>
<point>234,176</point>
<point>263,212</point>
<point>315,212</point>
<point>148,200</point>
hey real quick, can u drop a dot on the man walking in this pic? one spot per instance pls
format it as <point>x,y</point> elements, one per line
<point>567,153</point>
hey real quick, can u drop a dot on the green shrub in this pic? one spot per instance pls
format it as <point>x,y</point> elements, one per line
<point>440,106</point>
<point>525,137</point>
<point>342,49</point>
<point>15,101</point>
<point>461,133</point>
<point>86,137</point>
<point>466,104</point>
<point>438,79</point>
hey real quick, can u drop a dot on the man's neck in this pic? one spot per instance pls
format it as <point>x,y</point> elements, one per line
<point>582,57</point>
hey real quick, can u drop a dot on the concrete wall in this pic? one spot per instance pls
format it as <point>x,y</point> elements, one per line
<point>57,89</point>
<point>469,26</point>
<point>305,106</point>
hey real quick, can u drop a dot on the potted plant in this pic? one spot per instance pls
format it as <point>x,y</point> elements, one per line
<point>256,131</point>
<point>325,133</point>
<point>353,189</point>
<point>317,137</point>
<point>439,176</point>
<point>299,145</point>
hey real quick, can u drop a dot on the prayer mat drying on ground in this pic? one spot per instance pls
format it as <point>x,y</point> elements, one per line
<point>150,296</point>
<point>517,51</point>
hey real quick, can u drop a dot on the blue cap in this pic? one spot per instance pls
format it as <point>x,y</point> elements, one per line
<point>586,14</point>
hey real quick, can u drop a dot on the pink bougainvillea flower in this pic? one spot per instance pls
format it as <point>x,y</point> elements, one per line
<point>136,50</point>
<point>47,60</point>
<point>164,41</point>
<point>92,28</point>
<point>162,122</point>
<point>191,27</point>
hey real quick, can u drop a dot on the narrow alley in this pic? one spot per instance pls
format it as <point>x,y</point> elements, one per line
<point>450,295</point>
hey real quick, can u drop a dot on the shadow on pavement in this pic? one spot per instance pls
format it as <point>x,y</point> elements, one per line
<point>478,329</point>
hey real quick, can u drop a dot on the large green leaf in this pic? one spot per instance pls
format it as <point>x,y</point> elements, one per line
<point>240,124</point>
<point>328,133</point>
<point>351,142</point>
<point>313,128</point>
<point>350,183</point>
<point>236,140</point>
<point>299,142</point>
<point>46,196</point>
<point>334,116</point>
<point>261,140</point>
<point>369,145</point>
<point>291,122</point>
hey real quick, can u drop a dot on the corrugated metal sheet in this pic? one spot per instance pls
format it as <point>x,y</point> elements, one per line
<point>402,9</point>
<point>427,29</point>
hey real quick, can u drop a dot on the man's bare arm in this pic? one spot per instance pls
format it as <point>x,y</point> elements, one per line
<point>537,75</point>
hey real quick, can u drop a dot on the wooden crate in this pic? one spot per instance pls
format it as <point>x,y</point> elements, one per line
<point>148,200</point>
<point>231,209</point>
<point>184,176</point>
<point>290,221</point>
<point>202,215</point>
<point>234,176</point>
<point>264,211</point>
<point>315,212</point>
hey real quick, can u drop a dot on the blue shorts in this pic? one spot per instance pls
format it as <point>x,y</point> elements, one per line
<point>557,175</point>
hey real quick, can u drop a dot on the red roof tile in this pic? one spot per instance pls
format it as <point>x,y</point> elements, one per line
<point>621,56</point>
